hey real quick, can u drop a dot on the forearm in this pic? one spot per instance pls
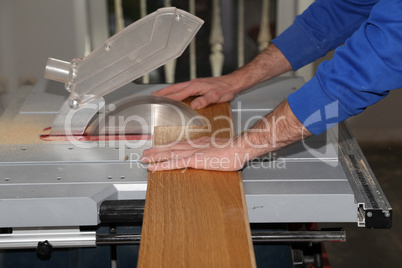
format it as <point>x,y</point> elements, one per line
<point>275,131</point>
<point>266,65</point>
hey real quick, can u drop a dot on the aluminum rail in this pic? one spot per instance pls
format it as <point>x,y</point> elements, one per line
<point>260,236</point>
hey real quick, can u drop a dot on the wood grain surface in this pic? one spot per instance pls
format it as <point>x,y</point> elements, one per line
<point>196,218</point>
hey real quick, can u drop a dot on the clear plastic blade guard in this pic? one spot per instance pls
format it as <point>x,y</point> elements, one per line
<point>136,50</point>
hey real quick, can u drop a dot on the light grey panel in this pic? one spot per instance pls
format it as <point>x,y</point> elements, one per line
<point>53,205</point>
<point>41,205</point>
<point>301,188</point>
<point>300,201</point>
<point>282,170</point>
<point>73,173</point>
<point>291,208</point>
<point>46,97</point>
<point>310,149</point>
<point>71,153</point>
<point>267,95</point>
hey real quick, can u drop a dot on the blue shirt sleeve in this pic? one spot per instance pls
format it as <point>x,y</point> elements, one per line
<point>360,74</point>
<point>322,27</point>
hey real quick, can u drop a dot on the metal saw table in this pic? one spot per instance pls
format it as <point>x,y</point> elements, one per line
<point>51,189</point>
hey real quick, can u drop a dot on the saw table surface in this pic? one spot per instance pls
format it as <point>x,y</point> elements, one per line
<point>48,184</point>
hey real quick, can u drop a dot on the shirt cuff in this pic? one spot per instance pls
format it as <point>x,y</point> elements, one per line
<point>296,45</point>
<point>314,108</point>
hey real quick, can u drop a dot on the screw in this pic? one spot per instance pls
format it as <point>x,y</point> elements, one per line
<point>74,104</point>
<point>178,17</point>
<point>107,47</point>
<point>112,107</point>
<point>68,86</point>
<point>369,214</point>
<point>387,214</point>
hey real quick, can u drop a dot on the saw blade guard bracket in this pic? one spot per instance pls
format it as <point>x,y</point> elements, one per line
<point>136,50</point>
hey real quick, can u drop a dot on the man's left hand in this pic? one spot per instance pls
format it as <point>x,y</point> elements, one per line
<point>203,153</point>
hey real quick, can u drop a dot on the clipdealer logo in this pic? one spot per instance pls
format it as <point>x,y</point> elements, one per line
<point>327,153</point>
<point>330,115</point>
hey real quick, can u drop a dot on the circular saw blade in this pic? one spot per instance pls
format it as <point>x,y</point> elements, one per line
<point>139,115</point>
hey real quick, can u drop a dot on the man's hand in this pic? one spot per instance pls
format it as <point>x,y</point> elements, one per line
<point>211,90</point>
<point>275,131</point>
<point>203,153</point>
<point>269,63</point>
<point>229,154</point>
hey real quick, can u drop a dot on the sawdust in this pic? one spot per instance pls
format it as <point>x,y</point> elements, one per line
<point>24,129</point>
<point>18,129</point>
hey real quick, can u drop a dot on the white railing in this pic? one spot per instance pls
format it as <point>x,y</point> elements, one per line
<point>216,37</point>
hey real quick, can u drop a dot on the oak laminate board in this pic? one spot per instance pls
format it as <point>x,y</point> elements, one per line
<point>196,218</point>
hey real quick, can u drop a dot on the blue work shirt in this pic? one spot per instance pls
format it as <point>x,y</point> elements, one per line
<point>362,71</point>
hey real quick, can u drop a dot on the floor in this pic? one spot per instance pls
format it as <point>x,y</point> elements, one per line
<point>375,248</point>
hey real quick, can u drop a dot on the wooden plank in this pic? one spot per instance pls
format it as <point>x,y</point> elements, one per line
<point>196,218</point>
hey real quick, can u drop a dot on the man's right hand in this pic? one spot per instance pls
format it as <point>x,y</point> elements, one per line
<point>210,90</point>
<point>268,64</point>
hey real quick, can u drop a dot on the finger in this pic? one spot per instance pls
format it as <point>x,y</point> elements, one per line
<point>169,165</point>
<point>167,147</point>
<point>166,155</point>
<point>187,162</point>
<point>199,103</point>
<point>194,144</point>
<point>181,94</point>
<point>170,89</point>
<point>203,101</point>
<point>154,158</point>
<point>201,140</point>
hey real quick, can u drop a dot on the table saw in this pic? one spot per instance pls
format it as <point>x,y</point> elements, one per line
<point>59,186</point>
